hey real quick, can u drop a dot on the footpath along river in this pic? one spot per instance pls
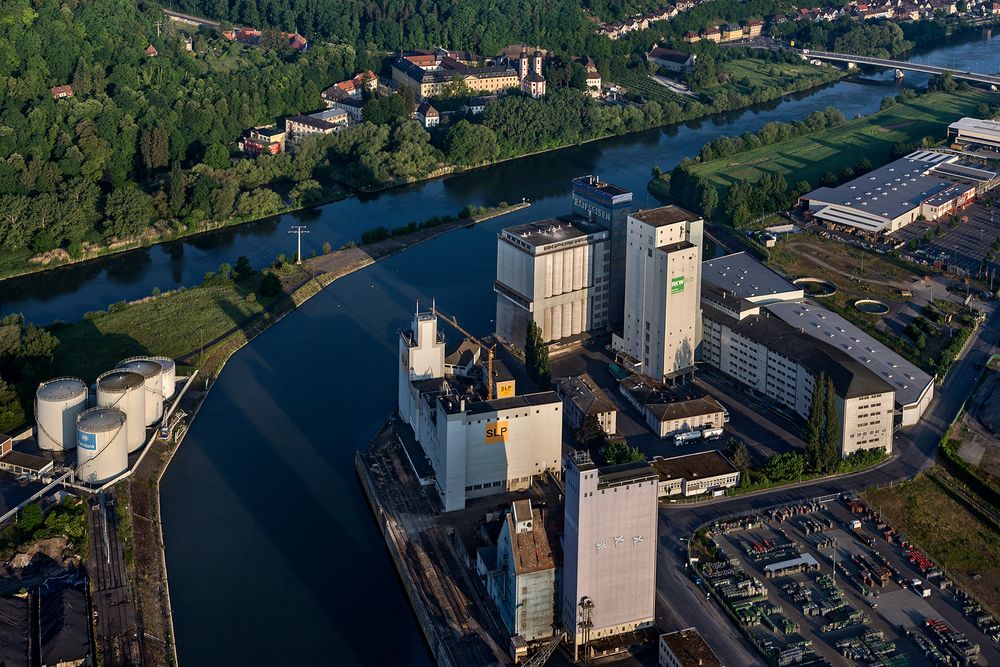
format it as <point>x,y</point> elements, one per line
<point>272,553</point>
<point>67,293</point>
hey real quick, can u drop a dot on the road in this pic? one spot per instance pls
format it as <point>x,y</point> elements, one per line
<point>191,20</point>
<point>916,449</point>
<point>988,79</point>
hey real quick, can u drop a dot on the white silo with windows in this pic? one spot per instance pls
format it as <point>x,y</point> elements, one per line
<point>152,371</point>
<point>101,451</point>
<point>169,377</point>
<point>125,390</point>
<point>57,404</point>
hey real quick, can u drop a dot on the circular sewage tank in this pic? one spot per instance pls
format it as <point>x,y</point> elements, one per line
<point>101,453</point>
<point>57,403</point>
<point>152,372</point>
<point>816,287</point>
<point>169,377</point>
<point>125,390</point>
<point>871,306</point>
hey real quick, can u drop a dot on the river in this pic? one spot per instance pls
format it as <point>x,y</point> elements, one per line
<point>272,552</point>
<point>67,293</point>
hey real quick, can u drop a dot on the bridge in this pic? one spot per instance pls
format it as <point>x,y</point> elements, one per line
<point>988,79</point>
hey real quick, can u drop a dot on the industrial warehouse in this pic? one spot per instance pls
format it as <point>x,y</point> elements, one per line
<point>926,185</point>
<point>976,134</point>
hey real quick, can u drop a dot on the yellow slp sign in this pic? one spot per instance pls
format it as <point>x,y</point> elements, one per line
<point>496,433</point>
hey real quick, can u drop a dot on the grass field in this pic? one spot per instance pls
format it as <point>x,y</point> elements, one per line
<point>746,74</point>
<point>952,536</point>
<point>170,325</point>
<point>873,137</point>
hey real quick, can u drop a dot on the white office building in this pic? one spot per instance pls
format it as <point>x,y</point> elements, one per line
<point>555,273</point>
<point>475,446</point>
<point>662,330</point>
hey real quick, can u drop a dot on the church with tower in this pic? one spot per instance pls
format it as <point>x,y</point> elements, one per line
<point>529,73</point>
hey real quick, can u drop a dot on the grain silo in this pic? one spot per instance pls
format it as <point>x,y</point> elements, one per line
<point>101,453</point>
<point>169,377</point>
<point>151,371</point>
<point>57,403</point>
<point>125,390</point>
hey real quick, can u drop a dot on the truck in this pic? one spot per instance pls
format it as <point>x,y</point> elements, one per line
<point>686,437</point>
<point>711,433</point>
<point>920,589</point>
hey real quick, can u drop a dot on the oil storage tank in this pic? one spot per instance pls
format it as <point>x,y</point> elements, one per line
<point>169,377</point>
<point>152,372</point>
<point>57,403</point>
<point>125,390</point>
<point>101,453</point>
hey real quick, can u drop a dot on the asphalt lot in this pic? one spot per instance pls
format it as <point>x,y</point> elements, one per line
<point>916,448</point>
<point>964,246</point>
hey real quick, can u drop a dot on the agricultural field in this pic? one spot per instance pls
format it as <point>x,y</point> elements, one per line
<point>749,74</point>
<point>873,137</point>
<point>643,85</point>
<point>960,541</point>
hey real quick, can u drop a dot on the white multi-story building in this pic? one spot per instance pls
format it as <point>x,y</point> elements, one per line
<point>609,552</point>
<point>555,273</point>
<point>662,329</point>
<point>476,447</point>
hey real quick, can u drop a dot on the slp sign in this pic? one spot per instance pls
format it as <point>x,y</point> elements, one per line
<point>677,284</point>
<point>496,433</point>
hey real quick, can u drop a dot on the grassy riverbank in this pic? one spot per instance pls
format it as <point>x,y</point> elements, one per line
<point>809,156</point>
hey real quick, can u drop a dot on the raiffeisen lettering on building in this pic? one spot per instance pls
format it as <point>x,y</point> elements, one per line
<point>475,446</point>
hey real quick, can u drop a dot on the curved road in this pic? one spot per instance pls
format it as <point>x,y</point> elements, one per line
<point>681,604</point>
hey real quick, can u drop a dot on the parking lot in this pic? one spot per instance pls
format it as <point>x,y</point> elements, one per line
<point>870,607</point>
<point>964,246</point>
<point>766,430</point>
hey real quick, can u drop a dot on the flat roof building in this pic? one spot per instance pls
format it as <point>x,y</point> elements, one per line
<point>662,330</point>
<point>926,183</point>
<point>741,276</point>
<point>555,273</point>
<point>976,132</point>
<point>694,474</point>
<point>609,554</point>
<point>686,648</point>
<point>667,415</point>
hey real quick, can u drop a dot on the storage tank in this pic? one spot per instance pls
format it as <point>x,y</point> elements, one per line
<point>57,403</point>
<point>169,377</point>
<point>151,371</point>
<point>101,453</point>
<point>125,390</point>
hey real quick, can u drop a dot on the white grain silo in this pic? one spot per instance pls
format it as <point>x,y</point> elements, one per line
<point>125,390</point>
<point>151,371</point>
<point>169,377</point>
<point>57,403</point>
<point>101,453</point>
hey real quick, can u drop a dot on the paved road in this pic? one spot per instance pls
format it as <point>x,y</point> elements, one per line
<point>916,450</point>
<point>903,65</point>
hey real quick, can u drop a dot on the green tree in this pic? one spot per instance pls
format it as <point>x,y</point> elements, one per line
<point>11,412</point>
<point>128,211</point>
<point>590,434</point>
<point>243,268</point>
<point>470,144</point>
<point>618,452</point>
<point>384,110</point>
<point>831,429</point>
<point>785,467</point>
<point>270,285</point>
<point>30,519</point>
<point>216,156</point>
<point>709,201</point>
<point>536,355</point>
<point>816,425</point>
<point>739,454</point>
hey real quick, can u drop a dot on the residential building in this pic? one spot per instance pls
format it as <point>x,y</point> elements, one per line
<point>695,474</point>
<point>609,554</point>
<point>555,273</point>
<point>254,37</point>
<point>428,115</point>
<point>429,73</point>
<point>477,105</point>
<point>753,28</point>
<point>352,88</point>
<point>712,34</point>
<point>354,107</point>
<point>667,415</point>
<point>608,205</point>
<point>686,648</point>
<point>327,121</point>
<point>692,37</point>
<point>925,184</point>
<point>662,325</point>
<point>732,32</point>
<point>151,51</point>
<point>61,92</point>
<point>675,61</point>
<point>593,76</point>
<point>475,445</point>
<point>524,584</point>
<point>976,133</point>
<point>582,398</point>
<point>263,141</point>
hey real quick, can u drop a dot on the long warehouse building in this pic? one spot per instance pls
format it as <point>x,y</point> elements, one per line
<point>976,132</point>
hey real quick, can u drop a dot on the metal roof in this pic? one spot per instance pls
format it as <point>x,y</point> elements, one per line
<point>741,275</point>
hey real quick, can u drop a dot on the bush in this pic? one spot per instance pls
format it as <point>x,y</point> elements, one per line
<point>327,248</point>
<point>270,285</point>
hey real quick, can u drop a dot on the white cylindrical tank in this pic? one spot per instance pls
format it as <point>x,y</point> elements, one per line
<point>152,372</point>
<point>101,453</point>
<point>57,403</point>
<point>125,390</point>
<point>169,377</point>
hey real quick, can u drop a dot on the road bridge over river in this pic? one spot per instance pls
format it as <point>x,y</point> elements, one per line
<point>988,79</point>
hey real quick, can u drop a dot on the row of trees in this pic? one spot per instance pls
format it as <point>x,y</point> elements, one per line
<point>823,429</point>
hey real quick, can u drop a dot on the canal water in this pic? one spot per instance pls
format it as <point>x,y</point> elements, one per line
<point>69,292</point>
<point>272,553</point>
